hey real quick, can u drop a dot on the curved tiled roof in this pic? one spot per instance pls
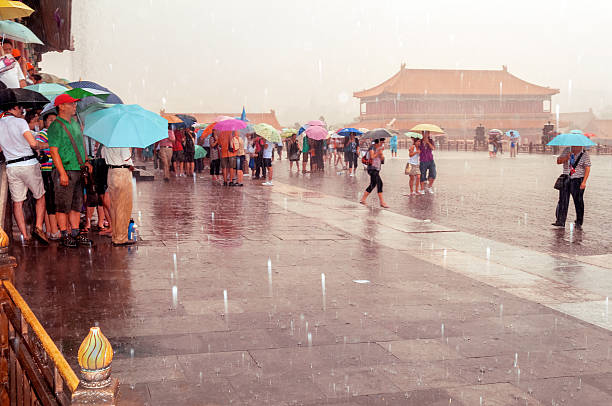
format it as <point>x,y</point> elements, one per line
<point>455,82</point>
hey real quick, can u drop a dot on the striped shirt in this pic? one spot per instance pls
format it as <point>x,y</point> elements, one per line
<point>580,168</point>
<point>41,136</point>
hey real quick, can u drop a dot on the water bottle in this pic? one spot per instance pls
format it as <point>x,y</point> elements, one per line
<point>130,229</point>
<point>135,232</point>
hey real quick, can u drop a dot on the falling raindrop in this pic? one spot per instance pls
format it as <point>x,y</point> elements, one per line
<point>488,253</point>
<point>225,306</point>
<point>515,359</point>
<point>174,296</point>
<point>323,290</point>
<point>270,277</point>
<point>310,339</point>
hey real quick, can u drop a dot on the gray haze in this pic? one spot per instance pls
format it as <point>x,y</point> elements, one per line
<point>305,58</point>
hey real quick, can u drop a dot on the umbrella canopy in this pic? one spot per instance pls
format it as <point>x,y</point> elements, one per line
<point>348,131</point>
<point>22,97</point>
<point>187,119</point>
<point>577,139</point>
<point>268,132</point>
<point>378,133</point>
<point>513,134</point>
<point>10,10</point>
<point>92,108</point>
<point>223,118</point>
<point>50,78</point>
<point>316,132</point>
<point>302,129</point>
<point>200,152</point>
<point>496,132</point>
<point>432,128</point>
<point>316,122</point>
<point>83,92</point>
<point>125,126</point>
<point>335,135</point>
<point>18,32</point>
<point>230,125</point>
<point>112,98</point>
<point>414,135</point>
<point>171,118</point>
<point>49,90</point>
<point>288,132</point>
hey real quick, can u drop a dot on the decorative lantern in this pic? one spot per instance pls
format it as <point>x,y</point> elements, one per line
<point>95,357</point>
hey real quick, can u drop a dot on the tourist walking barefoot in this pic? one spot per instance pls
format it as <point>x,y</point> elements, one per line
<point>375,157</point>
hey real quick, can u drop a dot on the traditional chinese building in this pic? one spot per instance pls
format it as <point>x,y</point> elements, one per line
<point>456,100</point>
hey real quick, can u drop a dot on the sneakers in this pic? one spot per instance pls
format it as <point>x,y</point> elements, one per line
<point>55,237</point>
<point>82,239</point>
<point>430,190</point>
<point>69,241</point>
<point>351,175</point>
<point>421,192</point>
<point>40,236</point>
<point>269,183</point>
<point>557,224</point>
<point>231,184</point>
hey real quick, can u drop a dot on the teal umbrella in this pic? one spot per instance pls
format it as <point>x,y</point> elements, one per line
<point>125,125</point>
<point>574,138</point>
<point>49,90</point>
<point>200,152</point>
<point>18,32</point>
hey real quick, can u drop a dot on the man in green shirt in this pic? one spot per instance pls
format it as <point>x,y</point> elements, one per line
<point>67,170</point>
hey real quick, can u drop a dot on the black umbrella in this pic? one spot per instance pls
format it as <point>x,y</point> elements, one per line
<point>376,134</point>
<point>187,119</point>
<point>21,97</point>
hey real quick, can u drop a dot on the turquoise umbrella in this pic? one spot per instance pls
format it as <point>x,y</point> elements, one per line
<point>200,152</point>
<point>126,125</point>
<point>49,90</point>
<point>18,32</point>
<point>574,138</point>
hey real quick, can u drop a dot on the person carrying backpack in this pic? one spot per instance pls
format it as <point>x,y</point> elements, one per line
<point>374,158</point>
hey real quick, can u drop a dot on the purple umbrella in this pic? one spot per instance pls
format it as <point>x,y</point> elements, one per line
<point>230,125</point>
<point>316,133</point>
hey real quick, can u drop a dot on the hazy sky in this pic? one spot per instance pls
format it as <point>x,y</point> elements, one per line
<point>306,58</point>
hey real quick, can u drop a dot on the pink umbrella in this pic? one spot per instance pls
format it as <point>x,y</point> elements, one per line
<point>230,125</point>
<point>316,133</point>
<point>316,122</point>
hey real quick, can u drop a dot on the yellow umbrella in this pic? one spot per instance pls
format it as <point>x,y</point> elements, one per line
<point>10,10</point>
<point>432,128</point>
<point>268,132</point>
<point>288,132</point>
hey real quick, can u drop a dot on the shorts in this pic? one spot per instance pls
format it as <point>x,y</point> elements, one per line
<point>68,198</point>
<point>267,162</point>
<point>427,166</point>
<point>414,170</point>
<point>228,162</point>
<point>394,149</point>
<point>239,162</point>
<point>305,157</point>
<point>22,178</point>
<point>178,156</point>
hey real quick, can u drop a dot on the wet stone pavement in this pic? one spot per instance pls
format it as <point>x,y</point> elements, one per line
<point>296,295</point>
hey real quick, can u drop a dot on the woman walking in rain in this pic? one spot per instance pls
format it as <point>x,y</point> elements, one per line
<point>374,158</point>
<point>293,150</point>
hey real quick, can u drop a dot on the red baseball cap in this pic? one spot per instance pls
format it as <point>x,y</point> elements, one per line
<point>64,98</point>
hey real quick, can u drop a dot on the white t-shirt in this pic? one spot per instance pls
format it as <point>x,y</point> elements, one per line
<point>12,77</point>
<point>267,152</point>
<point>12,141</point>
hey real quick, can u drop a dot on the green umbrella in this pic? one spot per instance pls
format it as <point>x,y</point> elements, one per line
<point>18,32</point>
<point>79,93</point>
<point>412,134</point>
<point>200,152</point>
<point>49,90</point>
<point>268,132</point>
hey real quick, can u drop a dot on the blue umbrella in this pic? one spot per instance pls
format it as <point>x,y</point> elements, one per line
<point>302,129</point>
<point>576,138</point>
<point>513,134</point>
<point>125,126</point>
<point>348,131</point>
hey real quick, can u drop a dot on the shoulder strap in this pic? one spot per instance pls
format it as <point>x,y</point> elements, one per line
<point>76,150</point>
<point>575,164</point>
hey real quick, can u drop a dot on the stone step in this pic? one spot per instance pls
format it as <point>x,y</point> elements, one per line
<point>142,174</point>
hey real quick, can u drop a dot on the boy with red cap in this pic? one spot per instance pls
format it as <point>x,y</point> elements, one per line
<point>67,149</point>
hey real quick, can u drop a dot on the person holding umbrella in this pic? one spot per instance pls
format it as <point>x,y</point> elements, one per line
<point>67,149</point>
<point>120,167</point>
<point>374,158</point>
<point>427,164</point>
